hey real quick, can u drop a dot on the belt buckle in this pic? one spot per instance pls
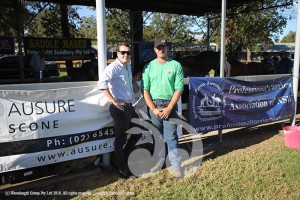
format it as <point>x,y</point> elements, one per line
<point>160,104</point>
<point>156,104</point>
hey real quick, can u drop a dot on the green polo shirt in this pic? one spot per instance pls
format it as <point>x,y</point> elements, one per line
<point>162,80</point>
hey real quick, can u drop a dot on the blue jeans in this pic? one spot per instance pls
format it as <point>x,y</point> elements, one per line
<point>169,131</point>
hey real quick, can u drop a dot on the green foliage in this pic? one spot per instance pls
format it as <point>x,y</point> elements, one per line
<point>250,25</point>
<point>47,21</point>
<point>8,17</point>
<point>246,26</point>
<point>117,25</point>
<point>88,28</point>
<point>176,28</point>
<point>289,38</point>
<point>6,14</point>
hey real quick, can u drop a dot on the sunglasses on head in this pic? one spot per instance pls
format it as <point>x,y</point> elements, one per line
<point>123,52</point>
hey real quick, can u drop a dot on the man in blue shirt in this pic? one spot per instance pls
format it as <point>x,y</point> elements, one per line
<point>38,65</point>
<point>285,64</point>
<point>117,85</point>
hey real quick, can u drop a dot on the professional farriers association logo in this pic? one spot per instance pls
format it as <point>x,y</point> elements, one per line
<point>207,102</point>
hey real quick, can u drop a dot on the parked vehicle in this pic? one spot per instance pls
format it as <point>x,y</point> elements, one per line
<point>52,69</point>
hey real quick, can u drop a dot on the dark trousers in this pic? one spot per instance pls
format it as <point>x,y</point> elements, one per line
<point>122,123</point>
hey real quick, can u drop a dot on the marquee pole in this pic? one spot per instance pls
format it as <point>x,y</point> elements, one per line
<point>101,35</point>
<point>102,57</point>
<point>296,65</point>
<point>223,37</point>
<point>222,49</point>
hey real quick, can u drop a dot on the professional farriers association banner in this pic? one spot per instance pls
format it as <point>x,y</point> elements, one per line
<point>223,103</point>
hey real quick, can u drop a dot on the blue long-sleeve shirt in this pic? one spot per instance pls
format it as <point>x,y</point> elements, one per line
<point>284,65</point>
<point>118,79</point>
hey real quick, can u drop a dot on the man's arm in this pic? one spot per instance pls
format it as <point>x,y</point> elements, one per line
<point>174,99</point>
<point>150,103</point>
<point>107,93</point>
<point>118,103</point>
<point>32,62</point>
<point>148,100</point>
<point>290,68</point>
<point>103,86</point>
<point>166,111</point>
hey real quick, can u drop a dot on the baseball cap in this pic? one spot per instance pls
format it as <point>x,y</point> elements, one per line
<point>160,41</point>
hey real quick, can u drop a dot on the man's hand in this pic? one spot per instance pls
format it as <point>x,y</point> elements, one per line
<point>119,104</point>
<point>157,112</point>
<point>165,113</point>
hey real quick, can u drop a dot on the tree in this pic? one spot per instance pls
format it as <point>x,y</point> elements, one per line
<point>176,28</point>
<point>88,28</point>
<point>52,19</point>
<point>289,38</point>
<point>117,25</point>
<point>247,25</point>
<point>250,25</point>
<point>8,16</point>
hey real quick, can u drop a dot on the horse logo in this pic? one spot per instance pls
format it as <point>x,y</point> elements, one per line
<point>209,106</point>
<point>207,100</point>
<point>204,101</point>
<point>212,102</point>
<point>216,101</point>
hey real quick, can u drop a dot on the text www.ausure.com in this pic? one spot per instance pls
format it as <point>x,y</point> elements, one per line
<point>73,152</point>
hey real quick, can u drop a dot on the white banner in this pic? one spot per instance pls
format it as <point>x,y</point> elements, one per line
<point>27,115</point>
<point>40,127</point>
<point>45,124</point>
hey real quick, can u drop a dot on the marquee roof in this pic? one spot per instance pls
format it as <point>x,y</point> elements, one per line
<point>187,7</point>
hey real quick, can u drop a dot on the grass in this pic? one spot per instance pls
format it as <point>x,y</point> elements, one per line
<point>250,163</point>
<point>264,171</point>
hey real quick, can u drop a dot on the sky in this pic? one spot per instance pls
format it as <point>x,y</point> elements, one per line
<point>291,24</point>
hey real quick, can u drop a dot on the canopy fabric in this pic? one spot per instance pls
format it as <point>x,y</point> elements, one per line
<point>183,7</point>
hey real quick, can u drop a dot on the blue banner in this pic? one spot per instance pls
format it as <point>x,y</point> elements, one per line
<point>223,103</point>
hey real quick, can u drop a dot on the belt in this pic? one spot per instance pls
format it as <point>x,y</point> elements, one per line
<point>126,104</point>
<point>160,104</point>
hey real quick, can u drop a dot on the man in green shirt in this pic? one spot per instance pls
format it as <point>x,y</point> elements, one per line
<point>162,85</point>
